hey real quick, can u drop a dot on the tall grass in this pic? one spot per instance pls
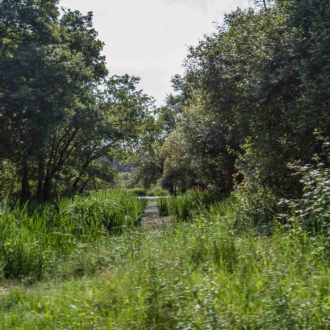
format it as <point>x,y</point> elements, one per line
<point>162,205</point>
<point>185,207</point>
<point>34,238</point>
<point>197,275</point>
<point>116,209</point>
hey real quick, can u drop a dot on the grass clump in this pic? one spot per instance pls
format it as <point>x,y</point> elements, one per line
<point>116,209</point>
<point>34,239</point>
<point>162,205</point>
<point>186,206</point>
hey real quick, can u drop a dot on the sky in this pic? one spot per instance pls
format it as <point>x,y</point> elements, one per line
<point>149,38</point>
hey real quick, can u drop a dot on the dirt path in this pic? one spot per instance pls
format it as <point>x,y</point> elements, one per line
<point>152,220</point>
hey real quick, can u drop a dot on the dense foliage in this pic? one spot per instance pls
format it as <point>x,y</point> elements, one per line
<point>251,97</point>
<point>62,119</point>
<point>34,238</point>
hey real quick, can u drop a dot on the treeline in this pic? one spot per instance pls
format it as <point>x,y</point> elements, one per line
<point>63,119</point>
<point>252,108</point>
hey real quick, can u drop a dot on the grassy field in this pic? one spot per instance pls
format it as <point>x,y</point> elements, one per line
<point>198,274</point>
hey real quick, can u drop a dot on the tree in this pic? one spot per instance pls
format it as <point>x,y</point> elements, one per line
<point>263,78</point>
<point>56,122</point>
<point>179,171</point>
<point>212,155</point>
<point>50,66</point>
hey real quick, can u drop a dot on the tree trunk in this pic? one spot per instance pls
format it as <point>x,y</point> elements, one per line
<point>25,181</point>
<point>47,187</point>
<point>41,174</point>
<point>77,180</point>
<point>82,188</point>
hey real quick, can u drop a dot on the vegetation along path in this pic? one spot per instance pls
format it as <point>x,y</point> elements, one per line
<point>153,220</point>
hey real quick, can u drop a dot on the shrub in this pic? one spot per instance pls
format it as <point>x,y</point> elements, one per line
<point>158,192</point>
<point>256,206</point>
<point>313,209</point>
<point>140,192</point>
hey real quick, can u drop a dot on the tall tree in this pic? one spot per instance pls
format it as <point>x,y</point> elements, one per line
<point>56,120</point>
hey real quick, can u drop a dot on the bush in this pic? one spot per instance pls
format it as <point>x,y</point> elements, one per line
<point>256,206</point>
<point>158,192</point>
<point>140,192</point>
<point>313,209</point>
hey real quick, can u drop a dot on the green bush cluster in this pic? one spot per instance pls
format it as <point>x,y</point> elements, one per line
<point>140,192</point>
<point>256,207</point>
<point>158,192</point>
<point>312,210</point>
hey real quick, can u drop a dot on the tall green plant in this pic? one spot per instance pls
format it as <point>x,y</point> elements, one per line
<point>185,207</point>
<point>33,238</point>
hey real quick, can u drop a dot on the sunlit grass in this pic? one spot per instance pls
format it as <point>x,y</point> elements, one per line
<point>34,238</point>
<point>203,274</point>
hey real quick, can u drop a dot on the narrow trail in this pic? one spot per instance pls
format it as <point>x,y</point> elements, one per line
<point>152,219</point>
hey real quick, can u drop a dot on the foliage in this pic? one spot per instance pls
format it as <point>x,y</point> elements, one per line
<point>207,146</point>
<point>116,210</point>
<point>179,172</point>
<point>253,92</point>
<point>34,238</point>
<point>151,192</point>
<point>158,192</point>
<point>62,118</point>
<point>138,192</point>
<point>188,205</point>
<point>147,160</point>
<point>312,210</point>
<point>198,275</point>
<point>163,207</point>
<point>256,207</point>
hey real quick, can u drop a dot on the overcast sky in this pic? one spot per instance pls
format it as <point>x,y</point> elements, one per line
<point>149,38</point>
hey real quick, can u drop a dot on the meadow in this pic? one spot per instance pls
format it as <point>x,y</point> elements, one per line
<point>85,263</point>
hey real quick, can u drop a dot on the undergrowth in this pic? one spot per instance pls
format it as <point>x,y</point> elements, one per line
<point>204,274</point>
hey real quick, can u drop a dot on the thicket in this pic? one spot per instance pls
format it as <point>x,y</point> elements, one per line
<point>189,205</point>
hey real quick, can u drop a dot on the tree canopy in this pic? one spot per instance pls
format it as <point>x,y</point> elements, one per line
<point>61,115</point>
